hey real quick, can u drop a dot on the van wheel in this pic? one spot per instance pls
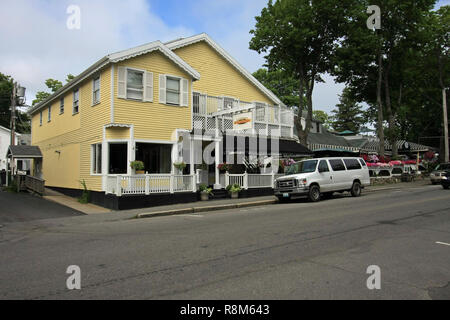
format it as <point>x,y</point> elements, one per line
<point>356,189</point>
<point>445,187</point>
<point>314,193</point>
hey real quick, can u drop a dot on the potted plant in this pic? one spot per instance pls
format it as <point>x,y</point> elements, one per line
<point>180,166</point>
<point>205,192</point>
<point>137,166</point>
<point>234,190</point>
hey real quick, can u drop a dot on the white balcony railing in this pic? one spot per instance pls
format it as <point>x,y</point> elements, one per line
<point>266,118</point>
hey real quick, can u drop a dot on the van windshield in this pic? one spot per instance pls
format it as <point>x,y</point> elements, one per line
<point>302,167</point>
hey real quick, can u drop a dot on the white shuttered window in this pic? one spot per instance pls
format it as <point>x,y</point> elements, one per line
<point>135,84</point>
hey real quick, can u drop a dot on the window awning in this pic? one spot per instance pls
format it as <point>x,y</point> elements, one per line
<point>253,145</point>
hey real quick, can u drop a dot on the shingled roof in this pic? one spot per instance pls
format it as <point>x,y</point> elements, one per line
<point>22,151</point>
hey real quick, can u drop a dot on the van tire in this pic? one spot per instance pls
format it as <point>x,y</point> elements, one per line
<point>356,189</point>
<point>314,193</point>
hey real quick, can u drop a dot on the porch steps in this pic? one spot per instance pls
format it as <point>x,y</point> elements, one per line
<point>220,194</point>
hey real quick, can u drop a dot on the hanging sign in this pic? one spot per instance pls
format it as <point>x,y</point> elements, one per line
<point>242,121</point>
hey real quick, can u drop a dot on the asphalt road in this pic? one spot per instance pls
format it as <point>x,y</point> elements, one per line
<point>20,207</point>
<point>297,250</point>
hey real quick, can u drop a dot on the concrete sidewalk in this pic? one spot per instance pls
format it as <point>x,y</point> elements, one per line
<point>73,203</point>
<point>214,205</point>
<point>201,206</point>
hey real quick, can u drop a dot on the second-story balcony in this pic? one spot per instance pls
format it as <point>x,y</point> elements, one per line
<point>211,111</point>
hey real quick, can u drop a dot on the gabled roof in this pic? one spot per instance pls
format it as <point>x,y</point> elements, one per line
<point>204,37</point>
<point>117,57</point>
<point>24,152</point>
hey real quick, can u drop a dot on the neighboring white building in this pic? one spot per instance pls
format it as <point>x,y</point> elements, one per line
<point>5,140</point>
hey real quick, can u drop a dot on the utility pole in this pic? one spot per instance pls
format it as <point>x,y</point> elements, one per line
<point>446,142</point>
<point>13,121</point>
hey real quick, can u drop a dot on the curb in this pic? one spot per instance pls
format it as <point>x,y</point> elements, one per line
<point>392,188</point>
<point>204,209</point>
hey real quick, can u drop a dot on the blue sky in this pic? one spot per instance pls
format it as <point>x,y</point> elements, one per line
<point>35,43</point>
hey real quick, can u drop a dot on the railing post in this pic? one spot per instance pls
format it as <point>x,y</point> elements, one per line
<point>119,186</point>
<point>273,179</point>
<point>245,180</point>
<point>227,179</point>
<point>147,184</point>
<point>171,182</point>
<point>194,182</point>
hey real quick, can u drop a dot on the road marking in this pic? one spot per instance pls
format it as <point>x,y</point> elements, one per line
<point>445,244</point>
<point>191,215</point>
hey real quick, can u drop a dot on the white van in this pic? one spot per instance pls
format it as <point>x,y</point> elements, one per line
<point>314,178</point>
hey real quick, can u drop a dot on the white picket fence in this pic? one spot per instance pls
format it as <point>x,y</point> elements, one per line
<point>171,183</point>
<point>150,183</point>
<point>250,180</point>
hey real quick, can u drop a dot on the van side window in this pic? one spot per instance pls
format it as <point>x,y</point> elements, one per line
<point>363,163</point>
<point>323,166</point>
<point>352,164</point>
<point>337,165</point>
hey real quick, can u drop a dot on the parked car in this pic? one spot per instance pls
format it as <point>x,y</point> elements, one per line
<point>439,172</point>
<point>314,178</point>
<point>445,180</point>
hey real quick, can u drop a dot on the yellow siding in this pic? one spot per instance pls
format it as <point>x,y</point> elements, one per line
<point>218,76</point>
<point>93,118</point>
<point>117,133</point>
<point>61,169</point>
<point>152,120</point>
<point>72,136</point>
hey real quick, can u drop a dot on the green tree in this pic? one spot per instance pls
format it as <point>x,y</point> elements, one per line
<point>53,85</point>
<point>373,64</point>
<point>299,36</point>
<point>22,118</point>
<point>348,114</point>
<point>282,84</point>
<point>323,117</point>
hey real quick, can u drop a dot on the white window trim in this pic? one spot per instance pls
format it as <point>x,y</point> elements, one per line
<point>180,101</point>
<point>73,102</point>
<point>143,84</point>
<point>179,94</point>
<point>62,105</point>
<point>93,103</point>
<point>95,145</point>
<point>49,114</point>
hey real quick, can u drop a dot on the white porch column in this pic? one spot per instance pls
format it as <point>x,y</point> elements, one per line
<point>191,156</point>
<point>217,150</point>
<point>131,154</point>
<point>174,157</point>
<point>105,162</point>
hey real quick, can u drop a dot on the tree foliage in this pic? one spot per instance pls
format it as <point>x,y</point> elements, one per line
<point>299,36</point>
<point>22,119</point>
<point>348,114</point>
<point>282,84</point>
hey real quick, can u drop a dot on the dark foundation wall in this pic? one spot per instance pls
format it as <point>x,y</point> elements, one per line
<point>128,202</point>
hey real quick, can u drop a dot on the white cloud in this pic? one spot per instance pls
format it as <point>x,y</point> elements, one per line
<point>35,43</point>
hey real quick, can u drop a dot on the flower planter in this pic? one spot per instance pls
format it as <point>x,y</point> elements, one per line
<point>140,172</point>
<point>234,195</point>
<point>204,196</point>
